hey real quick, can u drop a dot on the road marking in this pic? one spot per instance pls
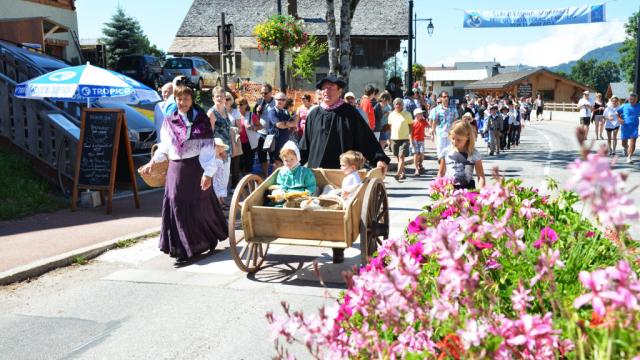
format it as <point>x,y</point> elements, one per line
<point>547,164</point>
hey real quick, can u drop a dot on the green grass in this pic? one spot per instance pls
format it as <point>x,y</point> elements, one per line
<point>23,192</point>
<point>130,242</point>
<point>80,260</point>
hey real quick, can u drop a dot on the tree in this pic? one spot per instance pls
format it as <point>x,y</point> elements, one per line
<point>124,36</point>
<point>418,71</point>
<point>347,10</point>
<point>594,74</point>
<point>334,65</point>
<point>582,72</point>
<point>303,64</point>
<point>393,67</point>
<point>604,73</point>
<point>629,46</point>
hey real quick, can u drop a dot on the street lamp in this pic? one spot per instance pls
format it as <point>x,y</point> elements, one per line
<point>411,37</point>
<point>404,53</point>
<point>430,29</point>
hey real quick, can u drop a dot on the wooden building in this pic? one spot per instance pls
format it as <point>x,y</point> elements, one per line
<point>48,25</point>
<point>553,87</point>
<point>375,36</point>
<point>619,89</point>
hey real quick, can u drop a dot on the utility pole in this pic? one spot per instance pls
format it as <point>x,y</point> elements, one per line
<point>636,83</point>
<point>283,83</point>
<point>410,48</point>
<point>226,49</point>
<point>222,53</point>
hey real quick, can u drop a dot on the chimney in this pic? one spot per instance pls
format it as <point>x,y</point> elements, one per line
<point>494,70</point>
<point>292,8</point>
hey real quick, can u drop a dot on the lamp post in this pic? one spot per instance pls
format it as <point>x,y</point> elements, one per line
<point>430,28</point>
<point>413,20</point>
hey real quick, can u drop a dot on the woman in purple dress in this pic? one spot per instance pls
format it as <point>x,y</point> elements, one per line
<point>192,220</point>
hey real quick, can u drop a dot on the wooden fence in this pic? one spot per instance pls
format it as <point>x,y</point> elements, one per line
<point>560,107</point>
<point>25,123</point>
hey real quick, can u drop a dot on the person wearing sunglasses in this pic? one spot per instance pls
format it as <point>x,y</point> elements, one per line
<point>265,109</point>
<point>442,118</point>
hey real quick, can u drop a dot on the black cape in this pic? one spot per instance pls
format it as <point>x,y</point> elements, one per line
<point>329,133</point>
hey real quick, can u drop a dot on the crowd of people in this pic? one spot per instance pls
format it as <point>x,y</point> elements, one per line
<point>209,150</point>
<point>614,118</point>
<point>213,148</point>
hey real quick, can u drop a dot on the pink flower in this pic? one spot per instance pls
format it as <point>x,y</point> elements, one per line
<point>596,281</point>
<point>473,333</point>
<point>417,225</point>
<point>547,236</point>
<point>520,298</point>
<point>603,190</point>
<point>590,234</point>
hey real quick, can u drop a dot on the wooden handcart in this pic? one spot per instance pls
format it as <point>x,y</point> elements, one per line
<point>253,226</point>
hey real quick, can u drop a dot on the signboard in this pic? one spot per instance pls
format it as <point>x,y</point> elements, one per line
<point>103,150</point>
<point>525,18</point>
<point>524,90</point>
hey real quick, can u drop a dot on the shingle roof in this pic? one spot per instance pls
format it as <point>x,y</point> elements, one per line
<point>620,89</point>
<point>372,17</point>
<point>501,81</point>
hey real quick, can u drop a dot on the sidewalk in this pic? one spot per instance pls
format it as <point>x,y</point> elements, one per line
<point>32,246</point>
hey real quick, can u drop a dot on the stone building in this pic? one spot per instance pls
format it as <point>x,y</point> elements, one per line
<point>375,36</point>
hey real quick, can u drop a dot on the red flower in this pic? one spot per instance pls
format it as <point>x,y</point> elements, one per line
<point>450,346</point>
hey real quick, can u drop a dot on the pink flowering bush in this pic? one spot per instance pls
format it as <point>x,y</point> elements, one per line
<point>499,273</point>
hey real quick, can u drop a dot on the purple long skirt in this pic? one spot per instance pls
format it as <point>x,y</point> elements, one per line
<point>192,220</point>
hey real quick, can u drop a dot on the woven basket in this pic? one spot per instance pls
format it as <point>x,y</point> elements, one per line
<point>158,175</point>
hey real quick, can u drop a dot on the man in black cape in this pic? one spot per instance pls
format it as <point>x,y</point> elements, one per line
<point>333,128</point>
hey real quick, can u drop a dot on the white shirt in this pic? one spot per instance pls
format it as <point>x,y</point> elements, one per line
<point>203,148</point>
<point>350,184</point>
<point>583,105</point>
<point>611,117</point>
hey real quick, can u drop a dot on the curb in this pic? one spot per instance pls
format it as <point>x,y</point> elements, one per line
<point>42,266</point>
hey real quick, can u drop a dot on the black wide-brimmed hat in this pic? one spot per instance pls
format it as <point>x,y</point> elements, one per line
<point>332,79</point>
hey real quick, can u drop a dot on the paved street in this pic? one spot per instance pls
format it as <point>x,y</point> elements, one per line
<point>134,303</point>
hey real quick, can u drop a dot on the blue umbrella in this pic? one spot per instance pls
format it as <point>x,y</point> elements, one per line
<point>86,83</point>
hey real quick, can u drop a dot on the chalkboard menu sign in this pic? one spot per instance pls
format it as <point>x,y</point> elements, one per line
<point>103,151</point>
<point>524,90</point>
<point>98,147</point>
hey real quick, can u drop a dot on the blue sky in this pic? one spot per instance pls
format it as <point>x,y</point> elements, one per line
<point>551,45</point>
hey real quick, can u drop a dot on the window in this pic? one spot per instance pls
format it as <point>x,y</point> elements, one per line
<point>446,83</point>
<point>547,95</point>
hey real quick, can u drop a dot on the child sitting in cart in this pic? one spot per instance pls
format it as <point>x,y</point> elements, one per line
<point>350,162</point>
<point>292,177</point>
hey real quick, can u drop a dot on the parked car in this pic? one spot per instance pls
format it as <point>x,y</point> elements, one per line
<point>42,62</point>
<point>145,68</point>
<point>199,71</point>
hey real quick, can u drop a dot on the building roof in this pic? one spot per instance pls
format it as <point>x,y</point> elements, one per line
<point>370,19</point>
<point>504,80</point>
<point>620,89</point>
<point>456,75</point>
<point>474,65</point>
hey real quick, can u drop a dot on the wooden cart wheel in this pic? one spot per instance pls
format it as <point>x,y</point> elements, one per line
<point>247,255</point>
<point>374,221</point>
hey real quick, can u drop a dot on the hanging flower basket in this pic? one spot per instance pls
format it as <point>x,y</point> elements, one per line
<point>280,32</point>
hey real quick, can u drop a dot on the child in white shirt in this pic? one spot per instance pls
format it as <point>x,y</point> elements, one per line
<point>219,183</point>
<point>350,162</point>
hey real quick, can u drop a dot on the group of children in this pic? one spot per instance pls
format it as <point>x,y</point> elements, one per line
<point>294,178</point>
